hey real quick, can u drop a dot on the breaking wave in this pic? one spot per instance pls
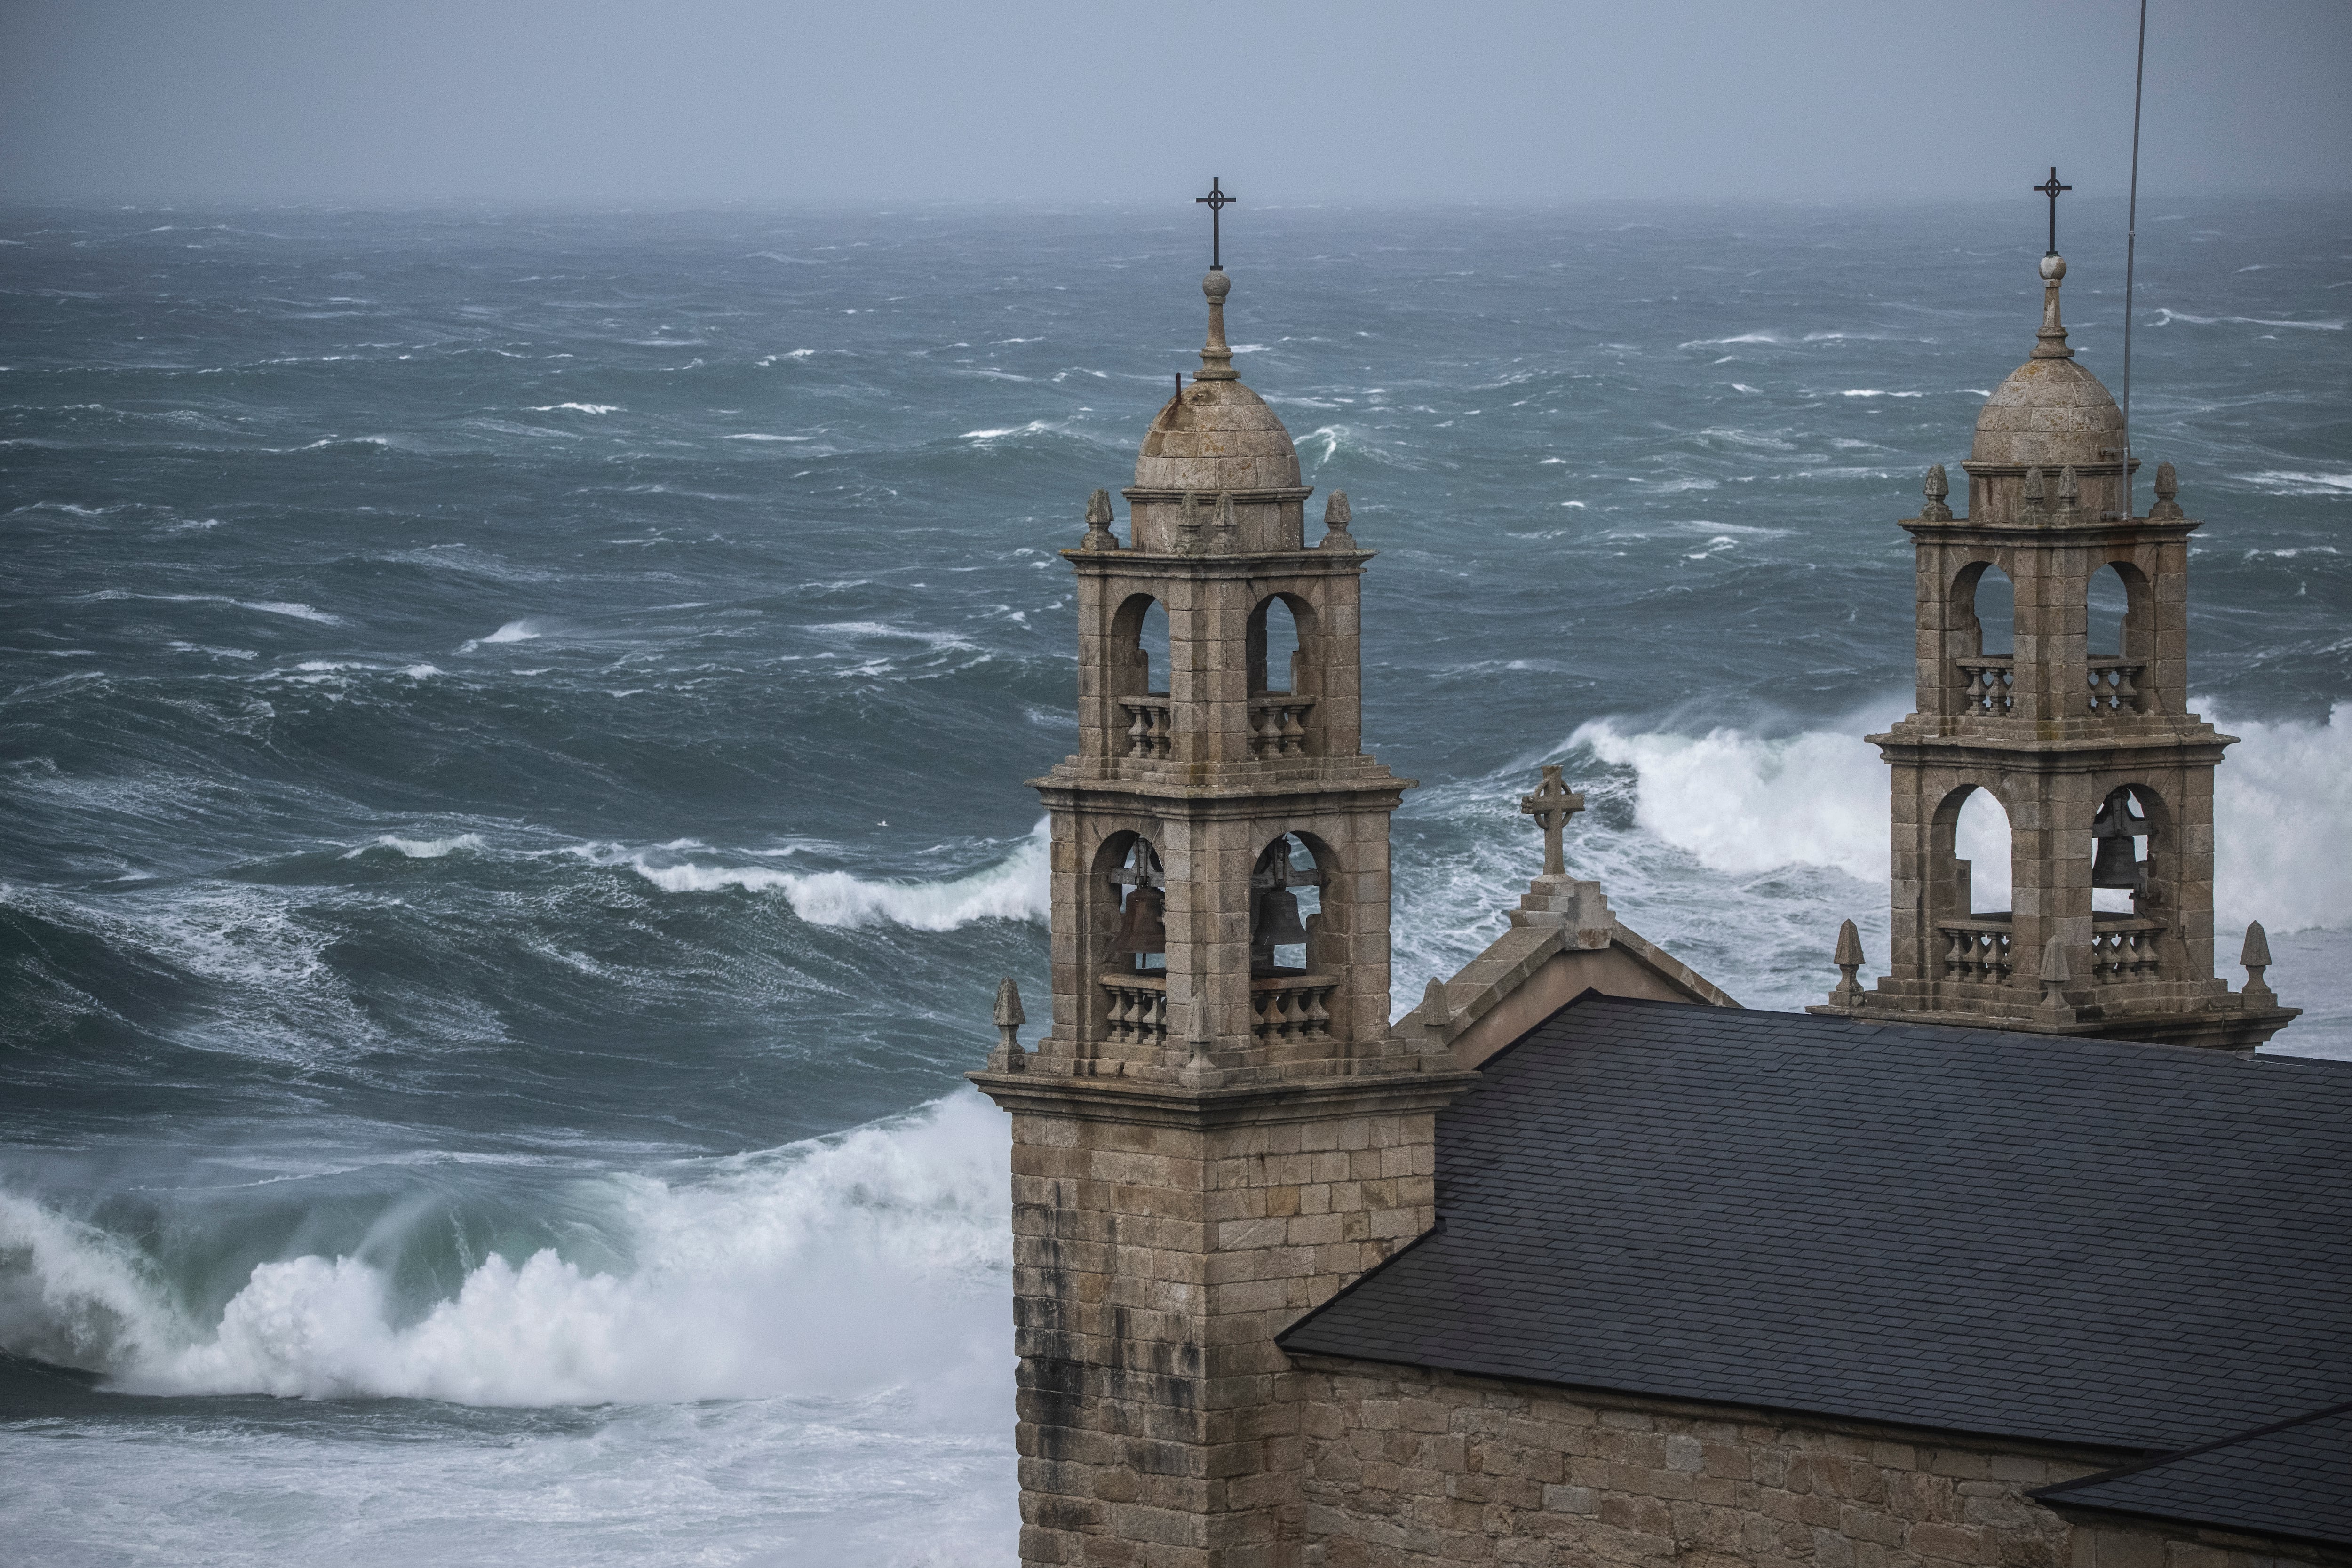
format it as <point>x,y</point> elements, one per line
<point>870,1259</point>
<point>1015,889</point>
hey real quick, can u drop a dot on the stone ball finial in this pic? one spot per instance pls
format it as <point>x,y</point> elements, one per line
<point>2054,267</point>
<point>1216,286</point>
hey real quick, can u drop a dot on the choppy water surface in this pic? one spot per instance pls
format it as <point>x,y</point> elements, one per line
<point>513,728</point>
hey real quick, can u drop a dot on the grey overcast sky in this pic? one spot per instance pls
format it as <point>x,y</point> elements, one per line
<point>866,102</point>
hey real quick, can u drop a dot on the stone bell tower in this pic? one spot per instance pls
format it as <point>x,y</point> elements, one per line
<point>1221,1130</point>
<point>2106,776</point>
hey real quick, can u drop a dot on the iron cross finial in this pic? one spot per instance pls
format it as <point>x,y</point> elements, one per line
<point>1216,200</point>
<point>1551,806</point>
<point>2051,188</point>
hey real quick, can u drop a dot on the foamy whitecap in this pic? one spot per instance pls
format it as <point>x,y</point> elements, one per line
<point>420,848</point>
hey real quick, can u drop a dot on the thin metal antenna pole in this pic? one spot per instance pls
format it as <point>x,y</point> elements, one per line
<point>2131,249</point>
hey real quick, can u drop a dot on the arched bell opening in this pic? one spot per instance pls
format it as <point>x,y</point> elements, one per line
<point>1984,614</point>
<point>1285,908</point>
<point>1988,600</point>
<point>1134,885</point>
<point>1137,655</point>
<point>1968,882</point>
<point>2130,869</point>
<point>2119,617</point>
<point>1969,876</point>
<point>1280,649</point>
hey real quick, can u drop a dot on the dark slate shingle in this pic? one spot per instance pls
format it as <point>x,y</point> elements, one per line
<point>2091,1241</point>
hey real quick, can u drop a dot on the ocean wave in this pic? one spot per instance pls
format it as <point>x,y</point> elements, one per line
<point>526,629</point>
<point>576,407</point>
<point>1015,889</point>
<point>419,849</point>
<point>874,1259</point>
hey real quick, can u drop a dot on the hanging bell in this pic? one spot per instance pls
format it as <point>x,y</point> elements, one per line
<point>1143,923</point>
<point>2114,866</point>
<point>1277,920</point>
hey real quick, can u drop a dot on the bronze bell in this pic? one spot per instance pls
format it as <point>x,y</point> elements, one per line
<point>1143,923</point>
<point>2113,864</point>
<point>1277,920</point>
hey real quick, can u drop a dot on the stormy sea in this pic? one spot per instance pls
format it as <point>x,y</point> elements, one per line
<point>512,732</point>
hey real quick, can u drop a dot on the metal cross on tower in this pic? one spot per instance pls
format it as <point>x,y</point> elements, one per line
<point>1551,806</point>
<point>2051,188</point>
<point>1217,202</point>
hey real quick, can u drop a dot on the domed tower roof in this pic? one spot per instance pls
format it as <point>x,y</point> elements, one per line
<point>1216,435</point>
<point>2051,412</point>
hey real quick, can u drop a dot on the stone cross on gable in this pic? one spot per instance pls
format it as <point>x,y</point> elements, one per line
<point>1551,806</point>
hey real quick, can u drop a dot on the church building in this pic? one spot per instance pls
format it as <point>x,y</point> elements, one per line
<point>2023,1258</point>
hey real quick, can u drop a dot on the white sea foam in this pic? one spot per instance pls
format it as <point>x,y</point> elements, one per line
<point>2166,317</point>
<point>527,629</point>
<point>576,407</point>
<point>2301,482</point>
<point>1015,889</point>
<point>842,1265</point>
<point>260,606</point>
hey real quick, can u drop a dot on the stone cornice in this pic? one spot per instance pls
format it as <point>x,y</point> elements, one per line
<point>2056,754</point>
<point>1157,563</point>
<point>1038,1090</point>
<point>1228,792</point>
<point>1274,497</point>
<point>2048,527</point>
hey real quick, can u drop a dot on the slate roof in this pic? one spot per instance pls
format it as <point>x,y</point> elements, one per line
<point>2294,1478</point>
<point>2083,1241</point>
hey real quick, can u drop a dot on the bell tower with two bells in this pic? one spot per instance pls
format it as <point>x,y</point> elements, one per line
<point>2106,776</point>
<point>1221,1130</point>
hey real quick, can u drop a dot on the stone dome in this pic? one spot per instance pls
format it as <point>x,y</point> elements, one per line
<point>1216,434</point>
<point>2051,412</point>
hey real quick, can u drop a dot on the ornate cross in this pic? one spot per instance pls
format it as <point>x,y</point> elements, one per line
<point>2050,188</point>
<point>1551,806</point>
<point>1217,202</point>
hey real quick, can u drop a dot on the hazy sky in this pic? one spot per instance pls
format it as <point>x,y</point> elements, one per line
<point>882,100</point>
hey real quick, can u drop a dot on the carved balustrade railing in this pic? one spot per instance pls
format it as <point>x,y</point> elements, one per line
<point>1150,730</point>
<point>1278,725</point>
<point>2115,684</point>
<point>1292,1007</point>
<point>2125,947</point>
<point>1986,682</point>
<point>1976,947</point>
<point>1139,1008</point>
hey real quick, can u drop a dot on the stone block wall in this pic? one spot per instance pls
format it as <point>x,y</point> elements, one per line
<point>1406,1466</point>
<point>2113,1542</point>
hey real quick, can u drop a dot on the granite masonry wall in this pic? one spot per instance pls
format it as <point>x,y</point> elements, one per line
<point>1407,1465</point>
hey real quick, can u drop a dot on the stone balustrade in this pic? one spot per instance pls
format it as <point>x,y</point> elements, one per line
<point>1150,731</point>
<point>2125,947</point>
<point>1292,1007</point>
<point>1139,1008</point>
<point>1278,725</point>
<point>1984,682</point>
<point>1976,947</point>
<point>2114,685</point>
